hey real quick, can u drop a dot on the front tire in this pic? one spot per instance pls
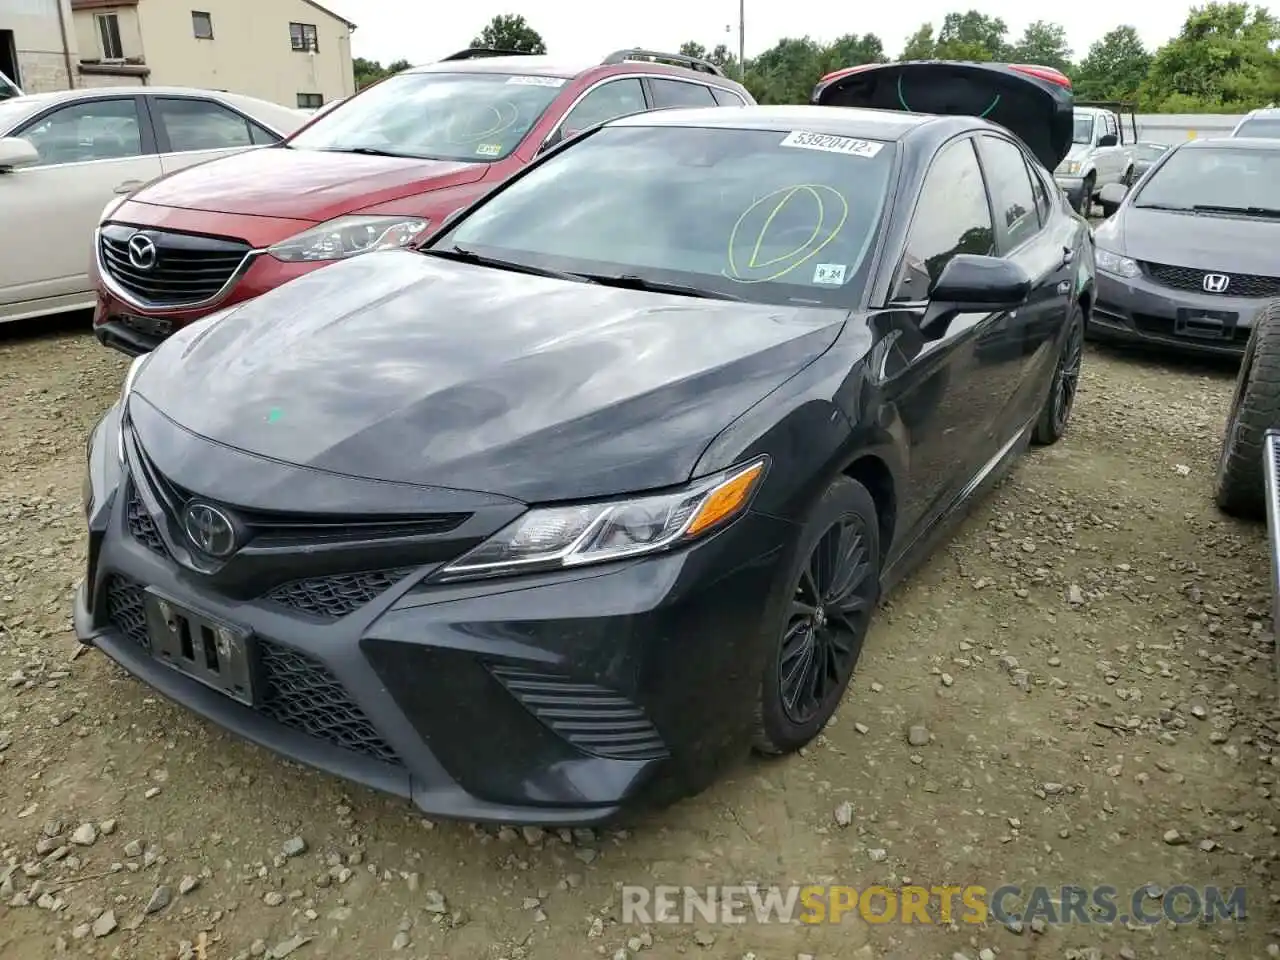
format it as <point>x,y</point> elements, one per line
<point>1056,413</point>
<point>1086,197</point>
<point>832,589</point>
<point>1255,408</point>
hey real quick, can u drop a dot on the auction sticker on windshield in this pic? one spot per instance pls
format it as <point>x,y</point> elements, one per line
<point>537,81</point>
<point>823,141</point>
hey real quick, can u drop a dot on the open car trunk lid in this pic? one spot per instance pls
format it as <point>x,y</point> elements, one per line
<point>1034,103</point>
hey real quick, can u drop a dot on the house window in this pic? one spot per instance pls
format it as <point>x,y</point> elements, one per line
<point>310,101</point>
<point>302,36</point>
<point>202,25</point>
<point>109,33</point>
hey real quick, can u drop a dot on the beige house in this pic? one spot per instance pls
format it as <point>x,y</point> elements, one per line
<point>294,52</point>
<point>38,44</point>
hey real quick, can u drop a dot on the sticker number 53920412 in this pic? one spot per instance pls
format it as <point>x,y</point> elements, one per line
<point>831,144</point>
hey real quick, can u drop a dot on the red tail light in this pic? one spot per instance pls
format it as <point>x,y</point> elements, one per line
<point>847,71</point>
<point>1043,73</point>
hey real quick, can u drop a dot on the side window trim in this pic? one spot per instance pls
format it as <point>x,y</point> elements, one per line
<point>896,275</point>
<point>165,146</point>
<point>998,226</point>
<point>555,134</point>
<point>716,91</point>
<point>146,132</point>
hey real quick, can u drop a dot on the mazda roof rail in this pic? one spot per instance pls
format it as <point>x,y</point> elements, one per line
<point>473,53</point>
<point>679,59</point>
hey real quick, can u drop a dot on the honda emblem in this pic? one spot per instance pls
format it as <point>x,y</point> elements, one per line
<point>1216,282</point>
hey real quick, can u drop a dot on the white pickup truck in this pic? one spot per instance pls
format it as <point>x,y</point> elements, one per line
<point>1102,152</point>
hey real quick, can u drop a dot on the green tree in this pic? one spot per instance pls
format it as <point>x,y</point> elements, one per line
<point>509,31</point>
<point>1114,68</point>
<point>852,50</point>
<point>787,71</point>
<point>921,45</point>
<point>1045,44</point>
<point>1223,61</point>
<point>691,49</point>
<point>971,36</point>
<point>371,71</point>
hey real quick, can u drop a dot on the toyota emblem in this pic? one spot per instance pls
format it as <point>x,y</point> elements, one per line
<point>142,251</point>
<point>1216,282</point>
<point>209,530</point>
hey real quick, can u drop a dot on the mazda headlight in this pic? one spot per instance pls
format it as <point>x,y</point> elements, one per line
<point>123,403</point>
<point>348,236</point>
<point>1115,264</point>
<point>552,538</point>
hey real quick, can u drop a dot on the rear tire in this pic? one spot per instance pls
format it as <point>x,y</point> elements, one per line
<point>1255,408</point>
<point>828,599</point>
<point>1056,413</point>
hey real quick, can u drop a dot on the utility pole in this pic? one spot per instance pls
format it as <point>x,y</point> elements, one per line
<point>742,36</point>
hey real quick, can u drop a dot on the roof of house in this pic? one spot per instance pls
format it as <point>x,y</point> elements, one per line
<point>325,10</point>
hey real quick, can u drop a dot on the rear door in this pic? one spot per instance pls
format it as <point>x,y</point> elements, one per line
<point>91,151</point>
<point>190,130</point>
<point>1014,349</point>
<point>936,384</point>
<point>1034,103</point>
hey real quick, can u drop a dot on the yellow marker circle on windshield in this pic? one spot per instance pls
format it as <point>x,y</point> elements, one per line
<point>505,116</point>
<point>829,208</point>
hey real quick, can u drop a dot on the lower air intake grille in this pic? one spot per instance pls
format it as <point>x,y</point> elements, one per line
<point>141,527</point>
<point>297,691</point>
<point>335,596</point>
<point>592,718</point>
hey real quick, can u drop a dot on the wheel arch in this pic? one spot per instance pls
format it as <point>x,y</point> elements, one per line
<point>874,474</point>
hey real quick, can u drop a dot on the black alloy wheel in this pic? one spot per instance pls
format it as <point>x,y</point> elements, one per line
<point>834,588</point>
<point>1056,415</point>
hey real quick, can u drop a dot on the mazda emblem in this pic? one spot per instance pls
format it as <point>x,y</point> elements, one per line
<point>142,251</point>
<point>209,530</point>
<point>1216,282</point>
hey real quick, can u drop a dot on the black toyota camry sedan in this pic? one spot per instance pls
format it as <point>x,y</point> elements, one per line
<point>565,510</point>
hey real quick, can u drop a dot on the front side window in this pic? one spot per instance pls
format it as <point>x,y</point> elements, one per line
<point>83,132</point>
<point>1267,127</point>
<point>1215,180</point>
<point>951,217</point>
<point>786,217</point>
<point>617,98</point>
<point>1082,129</point>
<point>480,117</point>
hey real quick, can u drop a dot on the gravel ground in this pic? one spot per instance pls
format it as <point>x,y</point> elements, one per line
<point>1086,666</point>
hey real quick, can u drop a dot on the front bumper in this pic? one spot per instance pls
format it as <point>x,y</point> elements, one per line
<point>558,698</point>
<point>1139,310</point>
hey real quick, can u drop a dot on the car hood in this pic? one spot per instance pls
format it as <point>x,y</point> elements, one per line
<point>397,367</point>
<point>303,184</point>
<point>1229,244</point>
<point>1018,97</point>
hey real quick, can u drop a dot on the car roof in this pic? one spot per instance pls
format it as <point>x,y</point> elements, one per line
<point>540,65</point>
<point>1232,143</point>
<point>835,121</point>
<point>1264,112</point>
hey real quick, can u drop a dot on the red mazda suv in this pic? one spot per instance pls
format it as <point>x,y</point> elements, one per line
<point>381,170</point>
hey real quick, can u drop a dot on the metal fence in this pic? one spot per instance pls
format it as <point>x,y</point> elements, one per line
<point>1174,128</point>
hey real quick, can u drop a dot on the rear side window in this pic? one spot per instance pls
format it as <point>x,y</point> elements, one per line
<point>678,93</point>
<point>1012,196</point>
<point>951,217</point>
<point>727,98</point>
<point>202,125</point>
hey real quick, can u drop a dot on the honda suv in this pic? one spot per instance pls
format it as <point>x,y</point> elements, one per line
<point>383,169</point>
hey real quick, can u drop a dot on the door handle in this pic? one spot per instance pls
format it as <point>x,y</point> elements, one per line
<point>128,186</point>
<point>1067,256</point>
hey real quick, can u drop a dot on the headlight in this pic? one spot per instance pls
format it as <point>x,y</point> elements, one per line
<point>551,538</point>
<point>347,236</point>
<point>123,403</point>
<point>1115,264</point>
<point>1070,168</point>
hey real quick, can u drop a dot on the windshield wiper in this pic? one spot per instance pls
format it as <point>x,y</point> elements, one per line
<point>369,152</point>
<point>1165,206</point>
<point>1248,211</point>
<point>631,282</point>
<point>470,256</point>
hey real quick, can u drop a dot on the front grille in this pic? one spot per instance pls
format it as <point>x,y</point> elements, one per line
<point>295,690</point>
<point>1187,278</point>
<point>592,718</point>
<point>141,527</point>
<point>186,269</point>
<point>335,596</point>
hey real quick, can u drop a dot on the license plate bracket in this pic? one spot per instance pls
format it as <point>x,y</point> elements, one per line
<point>1206,324</point>
<point>206,649</point>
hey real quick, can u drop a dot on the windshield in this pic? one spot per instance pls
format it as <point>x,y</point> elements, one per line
<point>1151,151</point>
<point>768,216</point>
<point>480,117</point>
<point>1082,131</point>
<point>1226,177</point>
<point>1268,127</point>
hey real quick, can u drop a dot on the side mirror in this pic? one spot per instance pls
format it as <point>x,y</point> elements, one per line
<point>1108,140</point>
<point>972,282</point>
<point>16,152</point>
<point>1113,194</point>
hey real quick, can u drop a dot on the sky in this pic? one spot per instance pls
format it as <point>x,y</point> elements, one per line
<point>421,32</point>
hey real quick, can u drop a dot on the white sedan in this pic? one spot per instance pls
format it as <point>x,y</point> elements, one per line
<point>65,156</point>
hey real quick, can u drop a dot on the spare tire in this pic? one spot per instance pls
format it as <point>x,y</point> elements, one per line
<point>1255,408</point>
